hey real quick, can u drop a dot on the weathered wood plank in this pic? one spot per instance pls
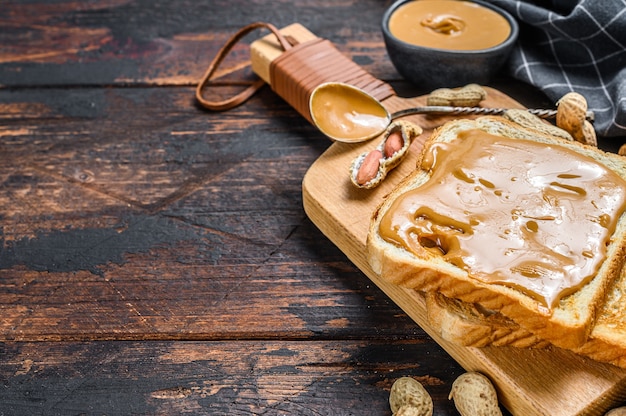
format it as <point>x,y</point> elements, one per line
<point>162,42</point>
<point>143,146</point>
<point>164,248</point>
<point>191,289</point>
<point>141,218</point>
<point>218,378</point>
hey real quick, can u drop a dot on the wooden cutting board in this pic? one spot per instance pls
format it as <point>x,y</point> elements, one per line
<point>529,382</point>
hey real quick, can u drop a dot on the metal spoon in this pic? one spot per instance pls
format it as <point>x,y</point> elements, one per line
<point>348,114</point>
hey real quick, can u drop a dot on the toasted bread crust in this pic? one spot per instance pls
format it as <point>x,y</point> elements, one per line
<point>466,324</point>
<point>472,326</point>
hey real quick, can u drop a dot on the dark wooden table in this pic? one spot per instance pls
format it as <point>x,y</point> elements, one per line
<point>155,258</point>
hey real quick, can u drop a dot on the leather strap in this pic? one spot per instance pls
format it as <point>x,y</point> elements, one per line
<point>223,52</point>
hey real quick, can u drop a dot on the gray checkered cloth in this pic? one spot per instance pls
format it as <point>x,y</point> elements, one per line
<point>574,45</point>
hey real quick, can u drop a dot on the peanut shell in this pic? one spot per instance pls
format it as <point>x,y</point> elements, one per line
<point>571,114</point>
<point>408,392</point>
<point>408,410</point>
<point>474,395</point>
<point>468,96</point>
<point>589,134</point>
<point>408,131</point>
<point>618,411</point>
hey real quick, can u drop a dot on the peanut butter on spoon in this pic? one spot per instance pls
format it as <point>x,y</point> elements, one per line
<point>348,114</point>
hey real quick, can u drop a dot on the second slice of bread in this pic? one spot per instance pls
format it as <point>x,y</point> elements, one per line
<point>471,326</point>
<point>569,323</point>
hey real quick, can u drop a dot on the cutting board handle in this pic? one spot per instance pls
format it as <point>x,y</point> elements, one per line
<point>298,71</point>
<point>293,69</point>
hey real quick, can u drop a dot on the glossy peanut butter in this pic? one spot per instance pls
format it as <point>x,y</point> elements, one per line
<point>347,113</point>
<point>448,24</point>
<point>513,212</point>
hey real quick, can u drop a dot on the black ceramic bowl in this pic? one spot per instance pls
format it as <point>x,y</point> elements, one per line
<point>432,68</point>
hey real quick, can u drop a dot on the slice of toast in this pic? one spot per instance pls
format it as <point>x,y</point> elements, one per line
<point>607,342</point>
<point>469,325</point>
<point>565,322</point>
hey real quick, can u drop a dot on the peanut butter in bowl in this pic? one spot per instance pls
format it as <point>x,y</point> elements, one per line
<point>448,43</point>
<point>449,24</point>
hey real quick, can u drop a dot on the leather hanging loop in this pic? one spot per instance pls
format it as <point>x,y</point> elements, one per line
<point>223,52</point>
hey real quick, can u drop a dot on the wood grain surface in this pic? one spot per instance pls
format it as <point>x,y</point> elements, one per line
<point>155,258</point>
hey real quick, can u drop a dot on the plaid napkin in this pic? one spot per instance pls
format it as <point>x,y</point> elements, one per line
<point>574,45</point>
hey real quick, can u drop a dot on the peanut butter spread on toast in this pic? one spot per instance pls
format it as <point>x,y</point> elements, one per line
<point>520,213</point>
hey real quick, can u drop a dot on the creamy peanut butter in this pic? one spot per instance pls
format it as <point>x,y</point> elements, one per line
<point>347,113</point>
<point>449,24</point>
<point>514,212</point>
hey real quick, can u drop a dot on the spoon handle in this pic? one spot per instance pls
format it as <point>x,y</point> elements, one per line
<point>473,111</point>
